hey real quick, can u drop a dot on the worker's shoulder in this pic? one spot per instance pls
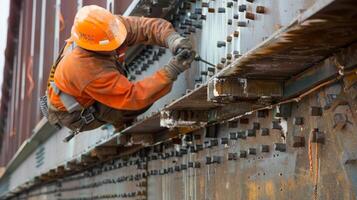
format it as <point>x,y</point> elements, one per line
<point>81,58</point>
<point>82,62</point>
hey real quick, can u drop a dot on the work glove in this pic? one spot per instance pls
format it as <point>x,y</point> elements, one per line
<point>179,63</point>
<point>175,42</point>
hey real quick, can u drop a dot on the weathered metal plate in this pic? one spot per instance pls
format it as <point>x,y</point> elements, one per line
<point>314,35</point>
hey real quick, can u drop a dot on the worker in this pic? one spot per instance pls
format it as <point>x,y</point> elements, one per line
<point>88,86</point>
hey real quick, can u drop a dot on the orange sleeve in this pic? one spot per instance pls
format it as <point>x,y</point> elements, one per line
<point>116,91</point>
<point>143,30</point>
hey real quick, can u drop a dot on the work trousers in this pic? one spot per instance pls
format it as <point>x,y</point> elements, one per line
<point>102,115</point>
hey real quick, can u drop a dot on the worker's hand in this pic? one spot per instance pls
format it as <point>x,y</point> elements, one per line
<point>179,63</point>
<point>176,42</point>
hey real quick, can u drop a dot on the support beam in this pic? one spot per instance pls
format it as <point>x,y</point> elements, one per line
<point>230,89</point>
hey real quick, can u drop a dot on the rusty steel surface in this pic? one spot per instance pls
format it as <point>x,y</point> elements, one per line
<point>316,34</point>
<point>301,149</point>
<point>304,152</point>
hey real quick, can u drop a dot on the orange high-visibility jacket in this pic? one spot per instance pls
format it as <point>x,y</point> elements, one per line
<point>91,77</point>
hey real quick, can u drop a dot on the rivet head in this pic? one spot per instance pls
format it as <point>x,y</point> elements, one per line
<point>252,151</point>
<point>249,15</point>
<point>260,9</point>
<point>298,141</point>
<point>232,156</point>
<point>264,148</point>
<point>264,132</point>
<point>317,136</point>
<point>243,154</point>
<point>280,147</point>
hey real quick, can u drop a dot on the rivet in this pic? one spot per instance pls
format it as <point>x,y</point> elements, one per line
<point>317,136</point>
<point>241,135</point>
<point>249,15</point>
<point>193,16</point>
<point>260,9</point>
<point>236,54</point>
<point>211,10</point>
<point>198,26</point>
<point>177,168</point>
<point>241,24</point>
<point>198,147</point>
<point>233,136</point>
<point>243,154</point>
<point>219,66</point>
<point>183,166</point>
<point>236,34</point>
<point>264,148</point>
<point>216,159</point>
<point>252,151</point>
<point>221,10</point>
<point>242,8</point>
<point>223,60</point>
<point>204,5</point>
<point>298,141</point>
<point>280,147</point>
<point>232,156</point>
<point>251,133</point>
<point>221,44</point>
<point>229,4</point>
<point>229,38</point>
<point>198,11</point>
<point>213,142</point>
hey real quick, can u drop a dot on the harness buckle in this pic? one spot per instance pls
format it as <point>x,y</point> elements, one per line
<point>87,115</point>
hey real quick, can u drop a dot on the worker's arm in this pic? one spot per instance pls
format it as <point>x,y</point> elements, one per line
<point>143,30</point>
<point>154,31</point>
<point>116,91</point>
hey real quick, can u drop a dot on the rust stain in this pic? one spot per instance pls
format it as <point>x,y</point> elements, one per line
<point>269,188</point>
<point>252,191</point>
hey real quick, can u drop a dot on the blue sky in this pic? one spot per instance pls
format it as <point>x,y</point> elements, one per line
<point>4,14</point>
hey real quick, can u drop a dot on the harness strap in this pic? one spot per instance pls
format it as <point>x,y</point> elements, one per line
<point>69,102</point>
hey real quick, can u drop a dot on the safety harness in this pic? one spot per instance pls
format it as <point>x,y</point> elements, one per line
<point>68,101</point>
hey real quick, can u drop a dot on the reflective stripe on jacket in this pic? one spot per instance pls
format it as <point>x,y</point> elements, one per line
<point>90,77</point>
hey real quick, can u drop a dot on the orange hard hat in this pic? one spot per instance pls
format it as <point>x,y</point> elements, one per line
<point>96,29</point>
